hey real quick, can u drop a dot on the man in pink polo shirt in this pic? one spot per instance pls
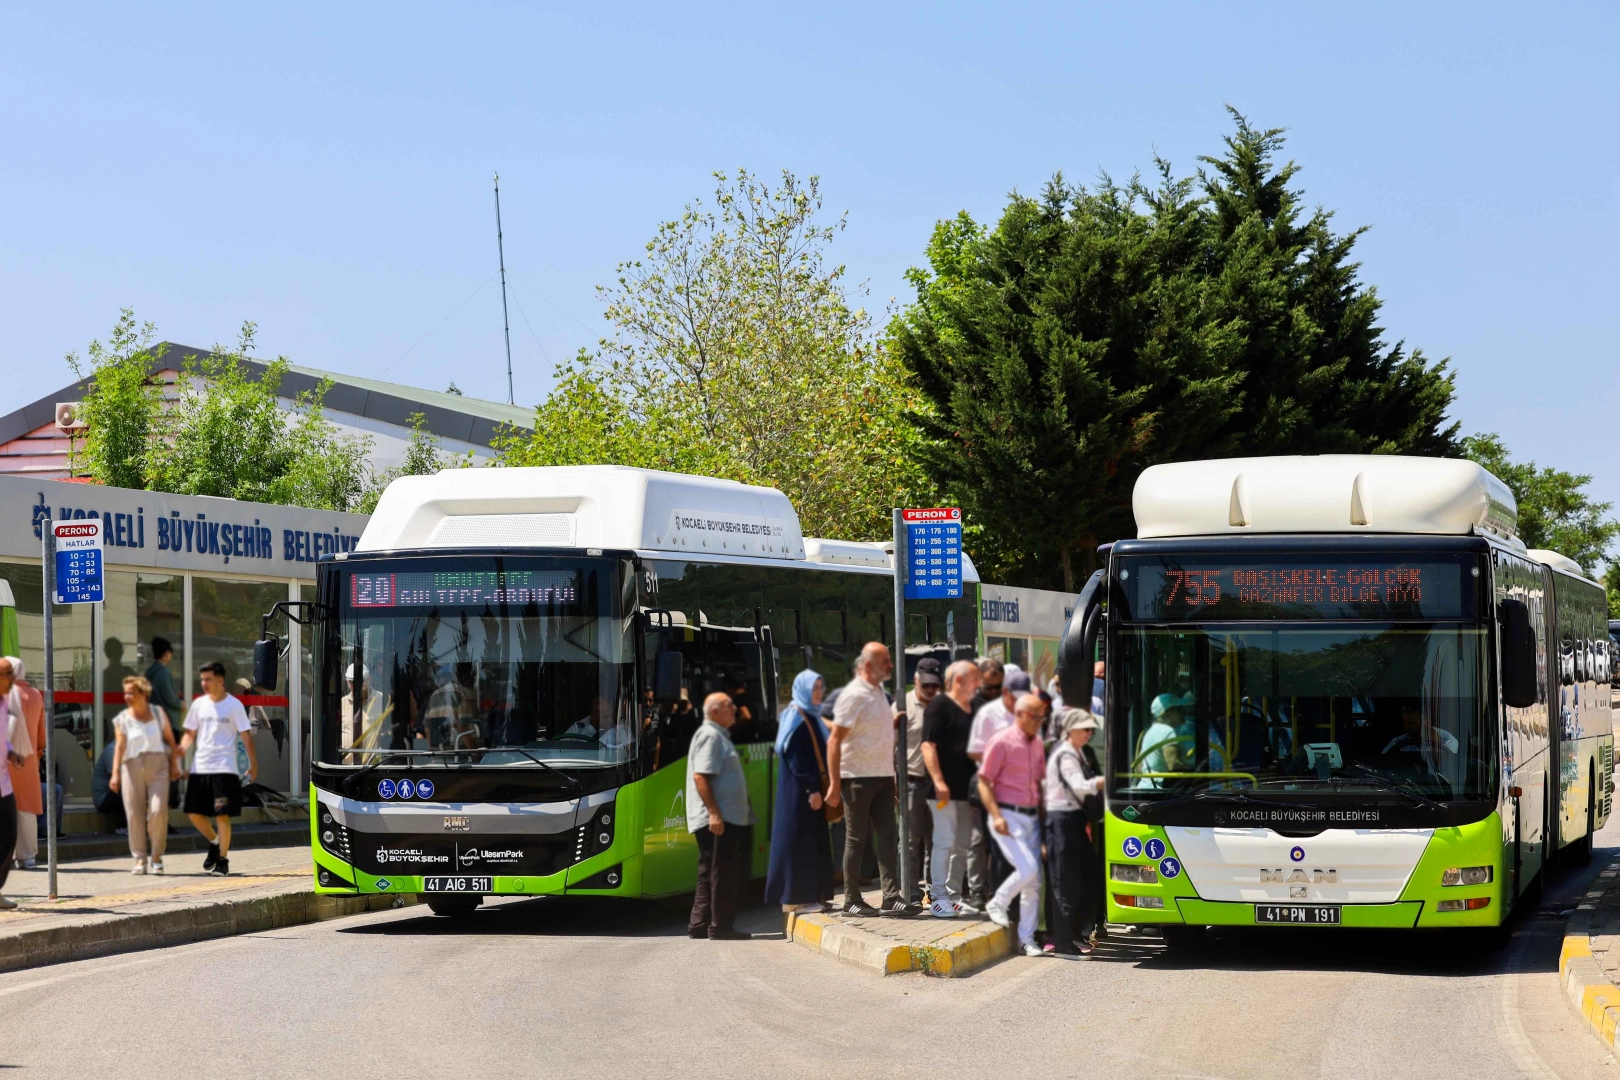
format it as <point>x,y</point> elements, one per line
<point>1010,788</point>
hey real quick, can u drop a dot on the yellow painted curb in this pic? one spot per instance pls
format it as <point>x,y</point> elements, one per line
<point>1587,986</point>
<point>965,951</point>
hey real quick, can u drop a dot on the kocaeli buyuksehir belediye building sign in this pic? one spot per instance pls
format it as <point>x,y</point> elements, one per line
<point>196,571</point>
<point>194,532</point>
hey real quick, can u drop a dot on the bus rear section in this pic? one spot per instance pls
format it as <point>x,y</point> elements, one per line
<point>1328,727</point>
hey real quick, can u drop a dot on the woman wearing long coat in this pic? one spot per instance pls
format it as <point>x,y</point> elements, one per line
<point>800,877</point>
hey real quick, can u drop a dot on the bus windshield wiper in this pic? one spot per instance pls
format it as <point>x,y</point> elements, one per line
<point>549,768</point>
<point>381,759</point>
<point>1232,796</point>
<point>1396,785</point>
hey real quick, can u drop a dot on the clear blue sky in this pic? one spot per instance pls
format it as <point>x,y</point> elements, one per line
<point>327,173</point>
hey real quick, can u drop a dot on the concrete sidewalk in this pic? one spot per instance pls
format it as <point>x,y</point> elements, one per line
<point>102,908</point>
<point>1589,963</point>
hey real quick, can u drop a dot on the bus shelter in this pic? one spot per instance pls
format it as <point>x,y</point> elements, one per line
<point>197,571</point>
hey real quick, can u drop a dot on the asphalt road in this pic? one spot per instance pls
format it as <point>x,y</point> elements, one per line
<point>565,989</point>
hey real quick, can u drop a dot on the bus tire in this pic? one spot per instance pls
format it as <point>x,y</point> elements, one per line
<point>454,906</point>
<point>1183,937</point>
<point>1477,939</point>
<point>1580,852</point>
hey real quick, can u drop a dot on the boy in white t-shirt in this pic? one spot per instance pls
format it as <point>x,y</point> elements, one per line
<point>214,792</point>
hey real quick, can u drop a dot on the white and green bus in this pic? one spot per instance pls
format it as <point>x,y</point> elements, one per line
<point>1341,692</point>
<point>510,664</point>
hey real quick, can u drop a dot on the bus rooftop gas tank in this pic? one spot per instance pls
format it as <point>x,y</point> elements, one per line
<point>584,506</point>
<point>1332,493</point>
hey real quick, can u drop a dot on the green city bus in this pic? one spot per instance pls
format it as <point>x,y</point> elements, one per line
<point>1339,691</point>
<point>510,665</point>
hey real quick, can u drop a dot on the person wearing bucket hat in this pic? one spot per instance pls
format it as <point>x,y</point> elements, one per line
<point>1073,806</point>
<point>1160,750</point>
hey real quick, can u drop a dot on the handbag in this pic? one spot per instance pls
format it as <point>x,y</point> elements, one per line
<point>834,814</point>
<point>1090,805</point>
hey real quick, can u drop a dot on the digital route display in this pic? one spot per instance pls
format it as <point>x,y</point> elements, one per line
<point>1193,588</point>
<point>461,588</point>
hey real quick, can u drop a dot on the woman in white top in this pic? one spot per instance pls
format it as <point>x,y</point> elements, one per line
<point>145,759</point>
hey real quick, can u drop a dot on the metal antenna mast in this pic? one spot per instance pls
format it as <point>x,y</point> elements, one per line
<point>506,321</point>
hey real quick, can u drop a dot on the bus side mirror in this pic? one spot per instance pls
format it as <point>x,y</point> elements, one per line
<point>267,662</point>
<point>1077,653</point>
<point>1518,654</point>
<point>668,675</point>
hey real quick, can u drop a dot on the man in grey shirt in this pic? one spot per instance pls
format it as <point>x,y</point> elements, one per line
<point>716,800</point>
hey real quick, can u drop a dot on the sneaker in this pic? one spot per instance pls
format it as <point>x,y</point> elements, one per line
<point>860,909</point>
<point>1029,948</point>
<point>699,933</point>
<point>998,915</point>
<point>943,909</point>
<point>899,909</point>
<point>1049,948</point>
<point>728,933</point>
<point>809,909</point>
<point>7,905</point>
<point>156,866</point>
<point>222,867</point>
<point>29,864</point>
<point>969,908</point>
<point>140,865</point>
<point>212,857</point>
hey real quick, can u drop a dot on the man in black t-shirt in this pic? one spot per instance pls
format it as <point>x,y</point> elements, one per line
<point>947,724</point>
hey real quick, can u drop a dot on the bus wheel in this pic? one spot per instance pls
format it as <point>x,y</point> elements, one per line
<point>1580,854</point>
<point>452,906</point>
<point>1181,938</point>
<point>1477,939</point>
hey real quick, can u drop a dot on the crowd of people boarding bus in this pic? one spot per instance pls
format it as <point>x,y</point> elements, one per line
<point>1003,806</point>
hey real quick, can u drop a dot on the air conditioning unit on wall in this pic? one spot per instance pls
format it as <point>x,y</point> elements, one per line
<point>67,416</point>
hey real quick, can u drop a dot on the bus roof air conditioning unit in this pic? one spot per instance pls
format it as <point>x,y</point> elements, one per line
<point>1331,493</point>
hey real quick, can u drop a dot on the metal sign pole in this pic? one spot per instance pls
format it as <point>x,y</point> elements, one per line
<point>902,568</point>
<point>49,559</point>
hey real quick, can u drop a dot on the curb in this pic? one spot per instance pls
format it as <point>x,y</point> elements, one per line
<point>967,950</point>
<point>75,849</point>
<point>135,933</point>
<point>1586,985</point>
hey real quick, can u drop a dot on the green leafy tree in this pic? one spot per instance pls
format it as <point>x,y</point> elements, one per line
<point>737,353</point>
<point>120,406</point>
<point>224,431</point>
<point>1555,510</point>
<point>1095,332</point>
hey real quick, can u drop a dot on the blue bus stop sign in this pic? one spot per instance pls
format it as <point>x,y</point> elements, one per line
<point>79,575</point>
<point>934,553</point>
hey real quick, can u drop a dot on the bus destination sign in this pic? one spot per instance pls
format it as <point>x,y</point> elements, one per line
<point>458,588</point>
<point>1173,588</point>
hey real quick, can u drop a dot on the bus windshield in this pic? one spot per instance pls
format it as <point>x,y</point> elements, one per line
<point>492,660</point>
<point>1299,709</point>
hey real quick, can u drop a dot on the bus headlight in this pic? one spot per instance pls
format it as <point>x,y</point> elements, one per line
<point>1474,904</point>
<point>1466,875</point>
<point>1140,875</point>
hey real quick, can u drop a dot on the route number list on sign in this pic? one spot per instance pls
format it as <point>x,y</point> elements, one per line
<point>934,553</point>
<point>79,573</point>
